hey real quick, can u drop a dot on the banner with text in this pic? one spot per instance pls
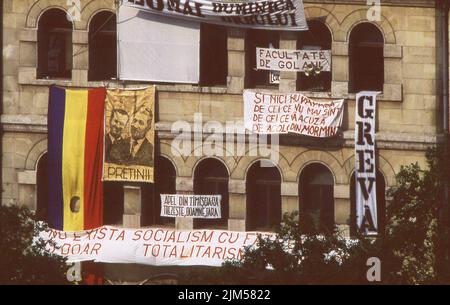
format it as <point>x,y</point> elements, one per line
<point>194,206</point>
<point>269,113</point>
<point>365,165</point>
<point>286,15</point>
<point>129,135</point>
<point>293,60</point>
<point>151,246</point>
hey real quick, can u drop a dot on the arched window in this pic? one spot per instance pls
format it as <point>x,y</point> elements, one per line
<point>213,55</point>
<point>381,204</point>
<point>318,37</point>
<point>258,39</point>
<point>263,197</point>
<point>42,188</point>
<point>366,58</point>
<point>316,196</point>
<point>102,47</point>
<point>211,178</point>
<point>165,183</point>
<point>54,45</point>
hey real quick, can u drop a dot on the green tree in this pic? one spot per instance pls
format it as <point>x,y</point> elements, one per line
<point>22,259</point>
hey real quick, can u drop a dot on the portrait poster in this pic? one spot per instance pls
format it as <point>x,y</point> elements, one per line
<point>129,135</point>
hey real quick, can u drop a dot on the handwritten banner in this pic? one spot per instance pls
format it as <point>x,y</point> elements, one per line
<point>267,14</point>
<point>365,166</point>
<point>269,113</point>
<point>154,246</point>
<point>293,60</point>
<point>194,206</point>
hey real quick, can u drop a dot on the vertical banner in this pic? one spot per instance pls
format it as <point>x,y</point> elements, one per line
<point>365,165</point>
<point>129,135</point>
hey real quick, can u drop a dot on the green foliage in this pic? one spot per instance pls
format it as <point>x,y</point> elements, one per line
<point>22,259</point>
<point>412,238</point>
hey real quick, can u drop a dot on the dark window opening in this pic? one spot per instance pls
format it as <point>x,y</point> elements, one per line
<point>316,197</point>
<point>102,47</point>
<point>258,39</point>
<point>42,189</point>
<point>263,198</point>
<point>381,204</point>
<point>318,37</point>
<point>113,203</point>
<point>54,45</point>
<point>211,178</point>
<point>366,58</point>
<point>213,55</point>
<point>165,183</point>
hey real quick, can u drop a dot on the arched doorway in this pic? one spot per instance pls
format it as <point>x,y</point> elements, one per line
<point>211,178</point>
<point>381,204</point>
<point>316,196</point>
<point>263,187</point>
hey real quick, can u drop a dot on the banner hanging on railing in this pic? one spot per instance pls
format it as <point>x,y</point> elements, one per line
<point>365,165</point>
<point>193,206</point>
<point>275,113</point>
<point>286,15</point>
<point>154,246</point>
<point>293,60</point>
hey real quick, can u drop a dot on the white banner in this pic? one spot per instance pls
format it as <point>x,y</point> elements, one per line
<point>155,48</point>
<point>193,206</point>
<point>365,165</point>
<point>151,246</point>
<point>293,60</point>
<point>269,113</point>
<point>286,15</point>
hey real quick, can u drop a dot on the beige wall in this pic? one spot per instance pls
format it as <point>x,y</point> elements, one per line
<point>407,110</point>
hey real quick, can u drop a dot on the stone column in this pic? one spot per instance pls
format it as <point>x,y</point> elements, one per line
<point>288,80</point>
<point>236,60</point>
<point>80,64</point>
<point>237,205</point>
<point>132,206</point>
<point>184,185</point>
<point>340,69</point>
<point>342,207</point>
<point>289,197</point>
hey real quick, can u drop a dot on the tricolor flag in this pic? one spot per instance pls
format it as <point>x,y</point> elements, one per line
<point>75,152</point>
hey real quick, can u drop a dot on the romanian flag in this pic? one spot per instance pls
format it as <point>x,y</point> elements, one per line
<point>75,155</point>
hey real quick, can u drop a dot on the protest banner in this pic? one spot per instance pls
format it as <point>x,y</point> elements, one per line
<point>260,14</point>
<point>293,60</point>
<point>365,163</point>
<point>157,48</point>
<point>129,135</point>
<point>194,206</point>
<point>270,113</point>
<point>151,246</point>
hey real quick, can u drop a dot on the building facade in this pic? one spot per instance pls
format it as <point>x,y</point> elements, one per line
<point>393,49</point>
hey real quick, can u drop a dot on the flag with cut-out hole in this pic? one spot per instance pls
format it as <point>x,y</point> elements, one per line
<point>75,154</point>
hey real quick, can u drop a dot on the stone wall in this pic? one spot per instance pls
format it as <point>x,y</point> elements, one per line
<point>407,109</point>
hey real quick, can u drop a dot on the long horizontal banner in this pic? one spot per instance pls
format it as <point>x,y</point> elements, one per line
<point>151,246</point>
<point>193,206</point>
<point>287,15</point>
<point>293,60</point>
<point>270,113</point>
